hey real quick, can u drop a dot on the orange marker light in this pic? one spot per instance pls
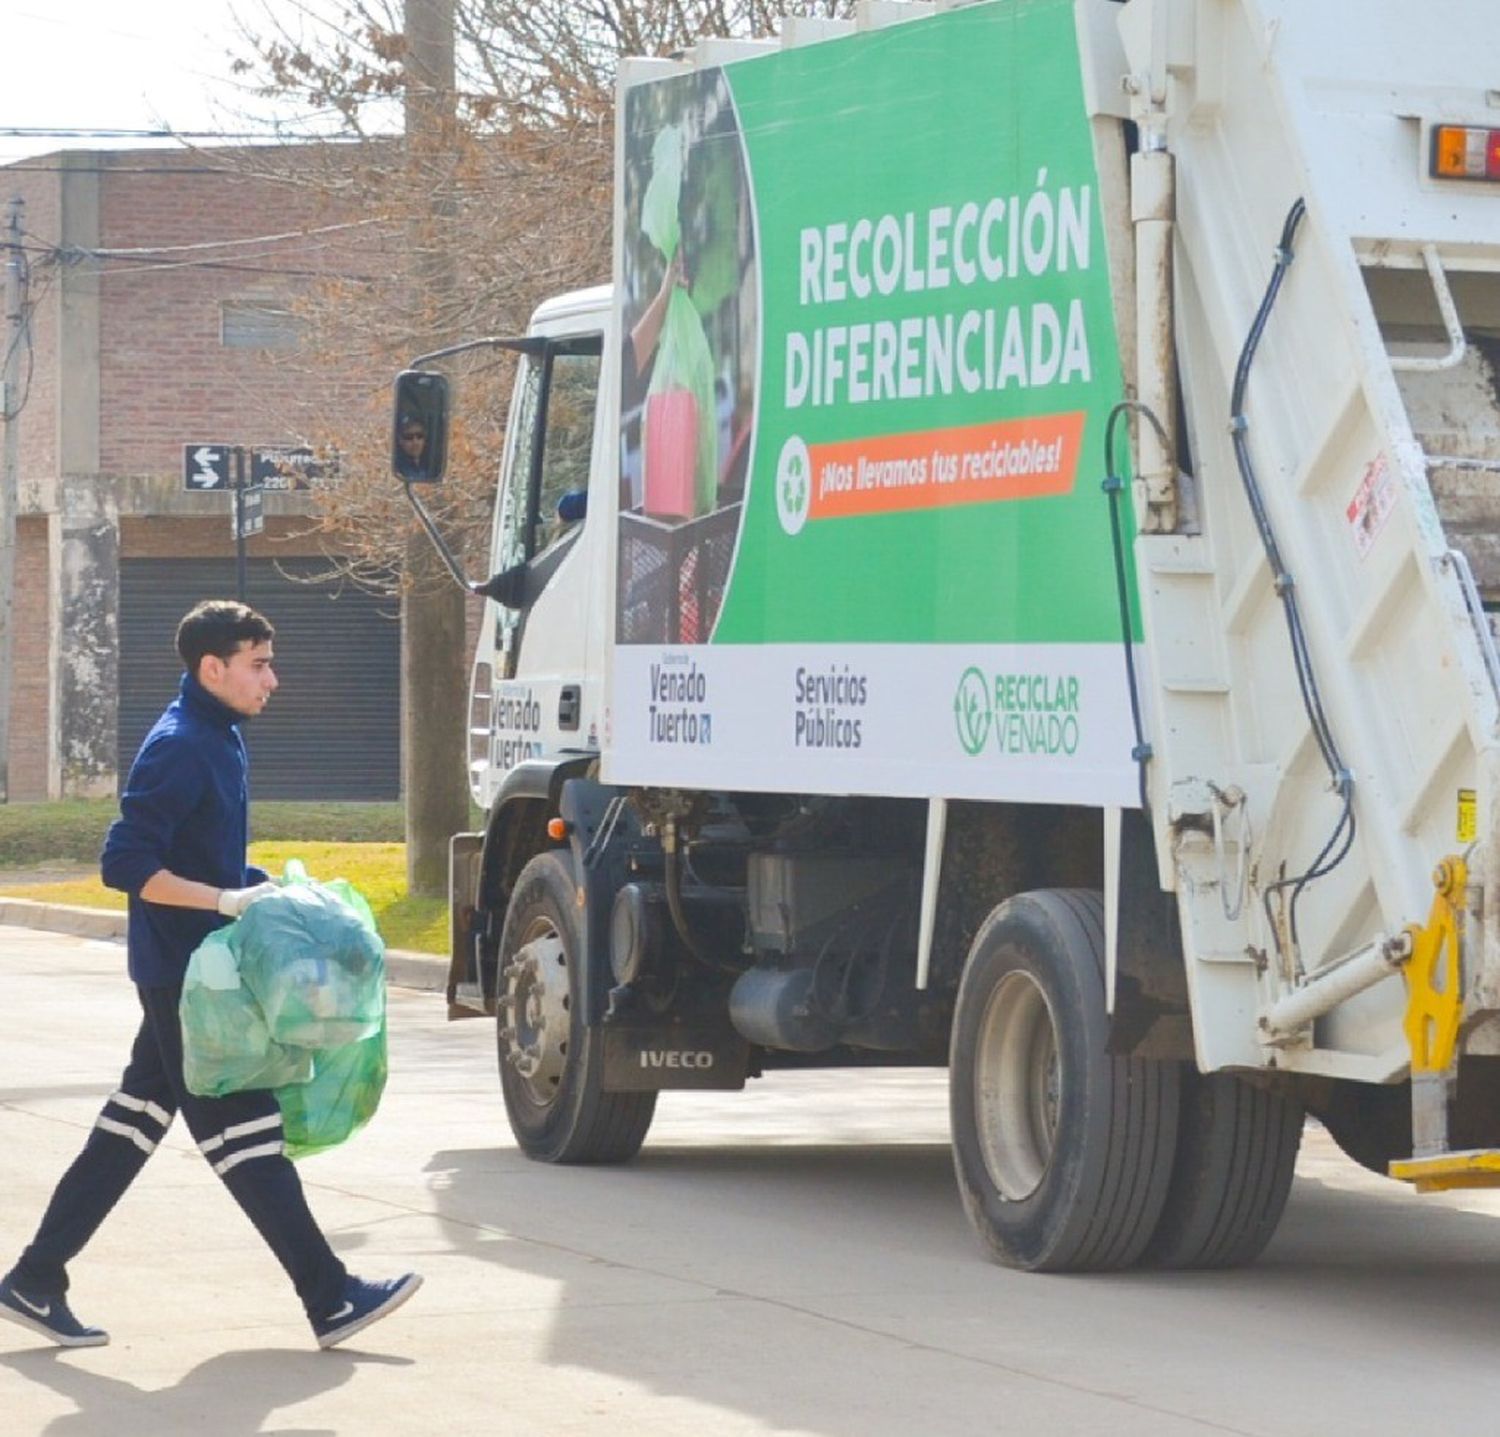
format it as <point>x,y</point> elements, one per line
<point>1465,152</point>
<point>557,829</point>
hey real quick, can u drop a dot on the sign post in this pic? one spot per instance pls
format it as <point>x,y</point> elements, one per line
<point>239,523</point>
<point>209,468</point>
<point>249,511</point>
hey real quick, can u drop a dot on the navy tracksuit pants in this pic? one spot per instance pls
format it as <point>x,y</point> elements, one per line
<point>241,1137</point>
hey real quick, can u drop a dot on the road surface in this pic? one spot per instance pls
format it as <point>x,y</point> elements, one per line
<point>793,1259</point>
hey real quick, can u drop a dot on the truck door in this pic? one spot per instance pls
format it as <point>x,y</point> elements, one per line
<point>531,670</point>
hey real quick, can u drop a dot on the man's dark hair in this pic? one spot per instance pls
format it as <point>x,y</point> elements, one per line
<point>219,627</point>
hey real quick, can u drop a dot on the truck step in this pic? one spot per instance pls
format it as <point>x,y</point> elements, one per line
<point>1444,1172</point>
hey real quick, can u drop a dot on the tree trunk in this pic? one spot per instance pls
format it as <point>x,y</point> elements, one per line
<point>434,684</point>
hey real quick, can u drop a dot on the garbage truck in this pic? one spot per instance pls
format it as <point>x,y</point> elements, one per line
<point>1002,579</point>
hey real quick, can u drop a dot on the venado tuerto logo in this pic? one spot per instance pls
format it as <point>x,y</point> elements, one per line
<point>971,710</point>
<point>793,485</point>
<point>1019,714</point>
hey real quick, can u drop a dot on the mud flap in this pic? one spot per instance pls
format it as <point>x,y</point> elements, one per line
<point>649,1059</point>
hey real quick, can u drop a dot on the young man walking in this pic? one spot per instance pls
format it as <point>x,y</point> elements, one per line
<point>178,850</point>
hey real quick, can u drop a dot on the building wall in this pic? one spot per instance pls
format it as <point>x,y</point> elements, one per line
<point>31,707</point>
<point>128,365</point>
<point>209,538</point>
<point>166,376</point>
<point>41,223</point>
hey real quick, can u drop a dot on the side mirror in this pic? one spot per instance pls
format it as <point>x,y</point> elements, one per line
<point>419,433</point>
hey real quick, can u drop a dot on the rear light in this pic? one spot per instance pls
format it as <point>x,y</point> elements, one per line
<point>1465,152</point>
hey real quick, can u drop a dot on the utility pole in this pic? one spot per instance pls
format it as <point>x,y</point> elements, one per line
<point>434,689</point>
<point>10,407</point>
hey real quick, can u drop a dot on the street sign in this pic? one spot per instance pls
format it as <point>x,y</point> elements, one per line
<point>289,466</point>
<point>249,513</point>
<point>205,466</point>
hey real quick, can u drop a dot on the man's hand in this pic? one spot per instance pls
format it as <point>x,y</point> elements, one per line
<point>234,901</point>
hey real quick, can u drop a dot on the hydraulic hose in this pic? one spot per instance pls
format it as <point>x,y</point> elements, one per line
<point>1342,837</point>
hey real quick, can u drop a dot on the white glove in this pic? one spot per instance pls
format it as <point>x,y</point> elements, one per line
<point>234,901</point>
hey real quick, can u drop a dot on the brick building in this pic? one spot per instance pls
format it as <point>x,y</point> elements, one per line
<point>146,334</point>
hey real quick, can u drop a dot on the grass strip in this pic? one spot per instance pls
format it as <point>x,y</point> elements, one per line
<point>378,870</point>
<point>72,830</point>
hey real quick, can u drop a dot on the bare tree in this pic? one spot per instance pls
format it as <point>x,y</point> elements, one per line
<point>525,178</point>
<point>519,175</point>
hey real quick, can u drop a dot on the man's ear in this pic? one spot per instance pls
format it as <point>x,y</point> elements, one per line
<point>210,669</point>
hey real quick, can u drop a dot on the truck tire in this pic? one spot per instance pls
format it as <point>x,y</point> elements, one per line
<point>1236,1151</point>
<point>551,1065</point>
<point>1063,1151</point>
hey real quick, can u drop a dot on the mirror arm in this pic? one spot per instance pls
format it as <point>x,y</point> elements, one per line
<point>507,588</point>
<point>527,344</point>
<point>438,542</point>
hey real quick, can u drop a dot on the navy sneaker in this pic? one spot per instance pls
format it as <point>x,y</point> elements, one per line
<point>363,1303</point>
<point>50,1316</point>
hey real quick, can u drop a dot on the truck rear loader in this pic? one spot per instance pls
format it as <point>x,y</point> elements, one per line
<point>1002,579</point>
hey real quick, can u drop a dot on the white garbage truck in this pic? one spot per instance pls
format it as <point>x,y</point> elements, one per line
<point>1002,579</point>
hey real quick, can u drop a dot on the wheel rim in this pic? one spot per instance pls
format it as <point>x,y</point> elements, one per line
<point>534,1030</point>
<point>1017,1086</point>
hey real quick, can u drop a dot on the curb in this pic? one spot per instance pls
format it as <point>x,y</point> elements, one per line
<point>404,969</point>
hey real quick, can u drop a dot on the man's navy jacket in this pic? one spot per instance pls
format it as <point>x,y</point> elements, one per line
<point>186,809</point>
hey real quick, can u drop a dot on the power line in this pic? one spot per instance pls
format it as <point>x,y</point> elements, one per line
<point>146,267</point>
<point>43,132</point>
<point>235,243</point>
<point>72,255</point>
<point>25,169</point>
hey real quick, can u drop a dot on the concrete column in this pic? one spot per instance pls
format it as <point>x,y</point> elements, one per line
<point>85,582</point>
<point>87,590</point>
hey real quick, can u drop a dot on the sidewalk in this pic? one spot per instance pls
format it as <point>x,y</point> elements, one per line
<point>404,969</point>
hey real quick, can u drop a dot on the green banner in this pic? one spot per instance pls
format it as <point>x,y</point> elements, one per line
<point>922,353</point>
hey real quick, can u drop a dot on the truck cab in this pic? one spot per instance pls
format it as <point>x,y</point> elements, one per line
<point>537,681</point>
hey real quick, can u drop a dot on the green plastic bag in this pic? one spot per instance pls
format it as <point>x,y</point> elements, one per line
<point>340,1098</point>
<point>348,1079</point>
<point>227,1046</point>
<point>684,361</point>
<point>316,965</point>
<point>291,997</point>
<point>660,220</point>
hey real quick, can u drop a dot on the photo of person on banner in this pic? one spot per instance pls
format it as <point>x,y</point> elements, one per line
<point>688,287</point>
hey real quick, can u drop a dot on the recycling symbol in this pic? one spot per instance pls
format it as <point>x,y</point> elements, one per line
<point>793,485</point>
<point>972,711</point>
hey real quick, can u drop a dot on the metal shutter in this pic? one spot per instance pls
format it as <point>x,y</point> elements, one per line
<point>333,728</point>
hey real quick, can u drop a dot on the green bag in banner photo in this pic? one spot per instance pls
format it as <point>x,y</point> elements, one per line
<point>302,976</point>
<point>680,428</point>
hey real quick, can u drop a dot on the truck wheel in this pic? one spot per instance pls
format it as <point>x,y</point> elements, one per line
<point>1063,1151</point>
<point>1236,1150</point>
<point>551,1065</point>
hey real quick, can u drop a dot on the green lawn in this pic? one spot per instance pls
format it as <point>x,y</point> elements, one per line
<point>34,834</point>
<point>378,870</point>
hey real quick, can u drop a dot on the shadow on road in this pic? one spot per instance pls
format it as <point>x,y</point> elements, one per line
<point>231,1395</point>
<point>716,1271</point>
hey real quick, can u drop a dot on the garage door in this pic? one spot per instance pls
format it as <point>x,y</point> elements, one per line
<point>333,728</point>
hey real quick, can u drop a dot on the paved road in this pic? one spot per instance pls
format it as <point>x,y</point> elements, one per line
<point>790,1260</point>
